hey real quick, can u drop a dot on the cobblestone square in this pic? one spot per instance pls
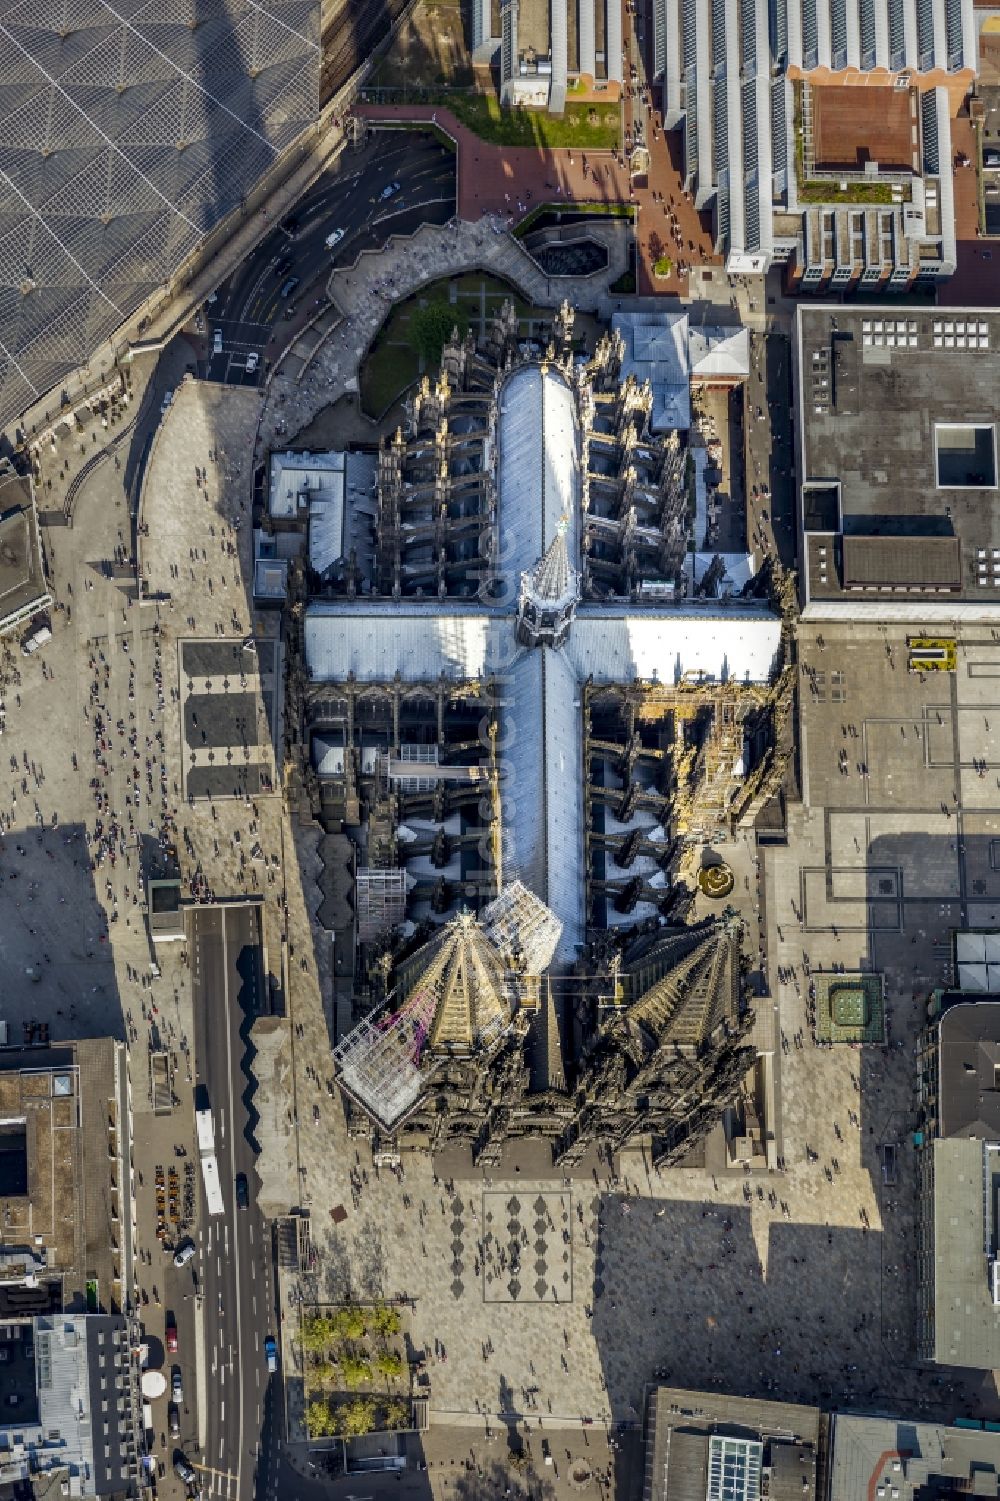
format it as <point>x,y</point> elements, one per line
<point>527,1247</point>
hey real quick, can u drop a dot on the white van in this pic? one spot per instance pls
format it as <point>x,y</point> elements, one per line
<point>38,638</point>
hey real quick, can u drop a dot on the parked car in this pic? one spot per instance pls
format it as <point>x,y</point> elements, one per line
<point>334,238</point>
<point>184,1253</point>
<point>177,1385</point>
<point>389,191</point>
<point>183,1469</point>
<point>217,341</point>
<point>271,1352</point>
<point>253,360</point>
<point>171,1334</point>
<point>168,397</point>
<point>242,1191</point>
<point>174,1420</point>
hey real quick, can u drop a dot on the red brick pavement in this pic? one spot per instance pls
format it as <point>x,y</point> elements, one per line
<point>976,282</point>
<point>513,179</point>
<point>669,224</point>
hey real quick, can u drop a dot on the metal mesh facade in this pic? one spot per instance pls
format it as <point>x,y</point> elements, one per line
<point>128,129</point>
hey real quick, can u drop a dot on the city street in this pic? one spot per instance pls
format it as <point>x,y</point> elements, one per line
<point>250,312</point>
<point>232,1273</point>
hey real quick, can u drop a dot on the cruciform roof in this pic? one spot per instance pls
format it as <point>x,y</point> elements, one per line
<point>539,688</point>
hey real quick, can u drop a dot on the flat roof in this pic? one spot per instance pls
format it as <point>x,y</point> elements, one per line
<point>969,1071</point>
<point>966,1321</point>
<point>682,1425</point>
<point>902,562</point>
<point>854,125</point>
<point>64,1095</point>
<point>908,1458</point>
<point>22,577</point>
<point>875,385</point>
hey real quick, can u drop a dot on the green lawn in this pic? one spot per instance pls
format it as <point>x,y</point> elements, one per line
<point>389,370</point>
<point>854,192</point>
<point>591,127</point>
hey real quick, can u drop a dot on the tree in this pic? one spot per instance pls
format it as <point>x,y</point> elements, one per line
<point>663,267</point>
<point>323,1373</point>
<point>348,1323</point>
<point>355,1370</point>
<point>430,328</point>
<point>384,1321</point>
<point>397,1414</point>
<point>319,1418</point>
<point>388,1364</point>
<point>353,1419</point>
<point>316,1333</point>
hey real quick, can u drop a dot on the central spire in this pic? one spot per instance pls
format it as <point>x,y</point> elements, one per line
<point>549,594</point>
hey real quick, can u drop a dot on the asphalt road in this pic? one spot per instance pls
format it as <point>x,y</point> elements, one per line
<point>399,181</point>
<point>233,1270</point>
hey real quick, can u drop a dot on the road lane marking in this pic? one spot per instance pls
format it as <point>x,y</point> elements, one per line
<point>236,1248</point>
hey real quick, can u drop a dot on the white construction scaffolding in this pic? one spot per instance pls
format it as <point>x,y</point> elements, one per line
<point>381,898</point>
<point>522,928</point>
<point>379,1060</point>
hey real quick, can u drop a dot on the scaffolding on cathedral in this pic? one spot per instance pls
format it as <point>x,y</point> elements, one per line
<point>522,928</point>
<point>470,984</point>
<point>381,900</point>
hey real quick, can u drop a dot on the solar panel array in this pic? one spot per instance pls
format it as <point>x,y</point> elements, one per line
<point>128,130</point>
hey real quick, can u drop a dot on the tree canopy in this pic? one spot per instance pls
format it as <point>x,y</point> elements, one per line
<point>430,328</point>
